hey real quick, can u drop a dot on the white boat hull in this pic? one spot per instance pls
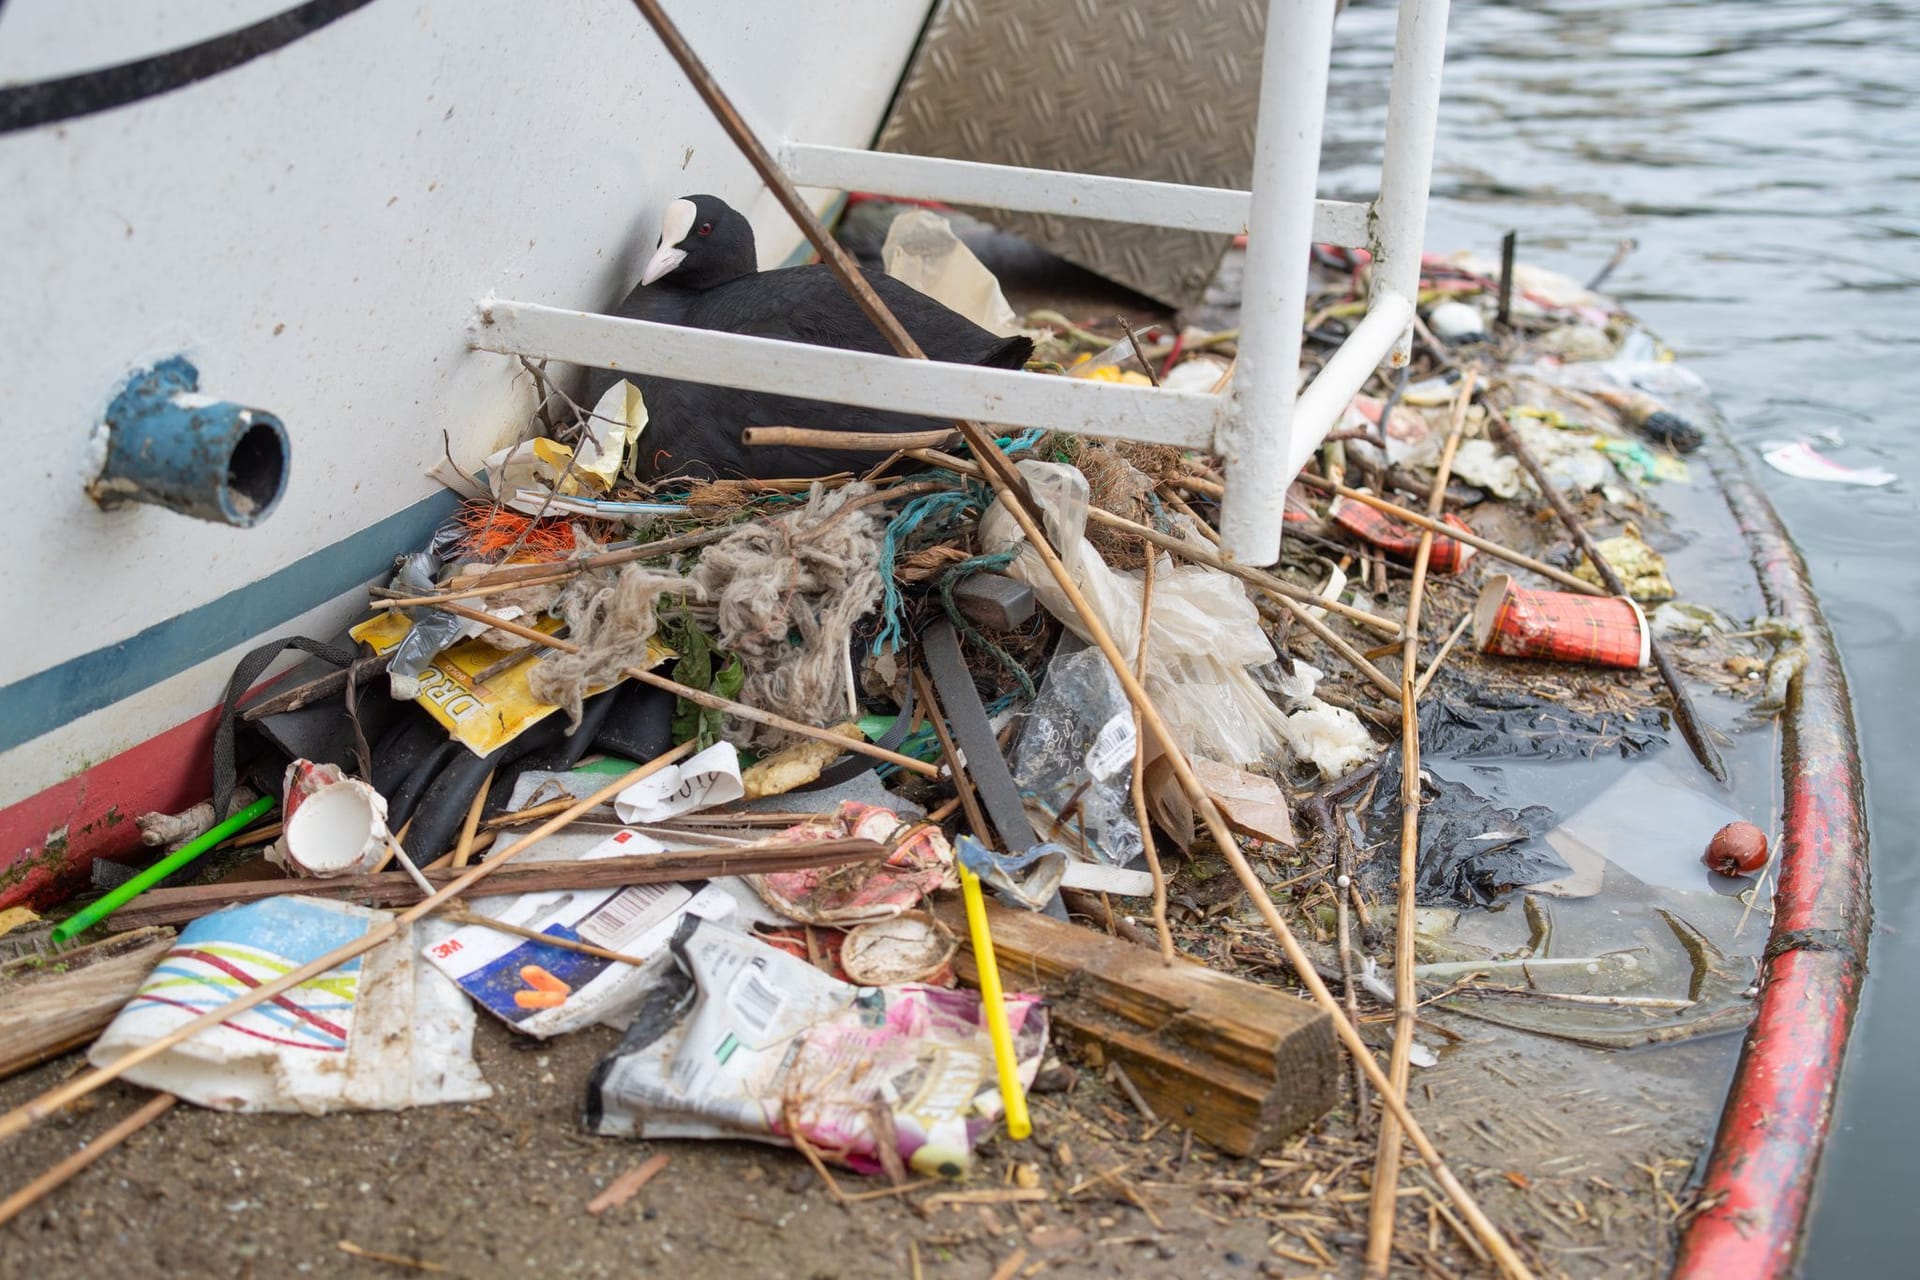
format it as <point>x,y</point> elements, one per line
<point>311,227</point>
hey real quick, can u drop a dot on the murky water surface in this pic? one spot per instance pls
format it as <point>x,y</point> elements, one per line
<point>1766,157</point>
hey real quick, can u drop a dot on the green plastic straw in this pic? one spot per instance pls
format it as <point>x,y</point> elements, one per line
<point>95,912</point>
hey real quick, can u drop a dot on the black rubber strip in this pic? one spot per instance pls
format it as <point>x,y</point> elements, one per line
<point>972,733</point>
<point>1812,940</point>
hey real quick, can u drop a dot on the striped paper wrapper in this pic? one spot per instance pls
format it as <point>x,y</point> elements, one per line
<point>1607,631</point>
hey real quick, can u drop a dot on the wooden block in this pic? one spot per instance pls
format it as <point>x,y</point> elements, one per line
<point>51,1004</point>
<point>1243,1065</point>
<point>397,889</point>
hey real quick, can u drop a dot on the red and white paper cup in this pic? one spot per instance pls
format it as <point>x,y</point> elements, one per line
<point>1559,626</point>
<point>335,825</point>
<point>1449,555</point>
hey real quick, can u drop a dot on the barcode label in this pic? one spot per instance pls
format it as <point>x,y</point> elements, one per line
<point>1112,748</point>
<point>628,913</point>
<point>755,1002</point>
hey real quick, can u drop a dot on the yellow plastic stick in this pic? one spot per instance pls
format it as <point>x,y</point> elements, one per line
<point>1019,1124</point>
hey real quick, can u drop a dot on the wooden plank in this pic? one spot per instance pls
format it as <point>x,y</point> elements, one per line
<point>1243,1065</point>
<point>51,1004</point>
<point>396,888</point>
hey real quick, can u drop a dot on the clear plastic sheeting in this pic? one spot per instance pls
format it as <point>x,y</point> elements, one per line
<point>1073,761</point>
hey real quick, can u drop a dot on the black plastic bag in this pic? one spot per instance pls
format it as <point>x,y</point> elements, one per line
<point>1472,852</point>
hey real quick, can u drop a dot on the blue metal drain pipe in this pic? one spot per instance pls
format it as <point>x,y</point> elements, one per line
<point>171,446</point>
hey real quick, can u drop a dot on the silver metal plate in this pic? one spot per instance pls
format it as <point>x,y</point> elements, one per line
<point>1159,89</point>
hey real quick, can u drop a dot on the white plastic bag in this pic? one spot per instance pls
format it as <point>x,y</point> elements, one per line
<point>1205,631</point>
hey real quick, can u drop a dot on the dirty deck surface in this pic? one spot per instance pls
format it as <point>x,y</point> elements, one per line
<point>500,1188</point>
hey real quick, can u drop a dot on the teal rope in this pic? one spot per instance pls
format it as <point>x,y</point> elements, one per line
<point>944,509</point>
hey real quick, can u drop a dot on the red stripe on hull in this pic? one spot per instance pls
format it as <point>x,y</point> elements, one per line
<point>51,839</point>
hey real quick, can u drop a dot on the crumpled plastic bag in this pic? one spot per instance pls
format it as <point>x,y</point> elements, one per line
<point>922,251</point>
<point>1641,569</point>
<point>1076,753</point>
<point>1459,721</point>
<point>1472,852</point>
<point>1206,633</point>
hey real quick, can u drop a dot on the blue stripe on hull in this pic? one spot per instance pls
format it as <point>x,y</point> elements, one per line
<point>43,702</point>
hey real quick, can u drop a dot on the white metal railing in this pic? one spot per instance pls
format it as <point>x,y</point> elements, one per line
<point>1264,429</point>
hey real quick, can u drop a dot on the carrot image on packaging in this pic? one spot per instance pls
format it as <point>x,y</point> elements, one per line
<point>543,990</point>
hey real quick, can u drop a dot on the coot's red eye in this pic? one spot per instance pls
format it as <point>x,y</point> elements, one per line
<point>706,228</point>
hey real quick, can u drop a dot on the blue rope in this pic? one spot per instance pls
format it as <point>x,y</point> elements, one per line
<point>1022,442</point>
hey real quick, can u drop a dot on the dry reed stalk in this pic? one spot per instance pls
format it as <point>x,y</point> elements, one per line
<point>1386,1176</point>
<point>1160,926</point>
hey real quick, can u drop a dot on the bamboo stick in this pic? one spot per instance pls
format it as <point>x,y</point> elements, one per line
<point>1327,635</point>
<point>1433,668</point>
<point>709,700</point>
<point>871,441</point>
<point>48,1103</point>
<point>962,784</point>
<point>1488,545</point>
<point>1160,927</point>
<point>523,574</point>
<point>436,601</point>
<point>463,851</point>
<point>461,915</point>
<point>1267,582</point>
<point>714,702</point>
<point>1011,491</point>
<point>1386,1169</point>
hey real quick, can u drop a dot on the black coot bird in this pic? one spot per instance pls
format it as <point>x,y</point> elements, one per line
<point>704,275</point>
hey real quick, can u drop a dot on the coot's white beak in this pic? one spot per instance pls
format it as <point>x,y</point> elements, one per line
<point>676,223</point>
<point>664,260</point>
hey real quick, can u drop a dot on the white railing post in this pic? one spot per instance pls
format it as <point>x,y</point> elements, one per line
<point>1406,166</point>
<point>1286,167</point>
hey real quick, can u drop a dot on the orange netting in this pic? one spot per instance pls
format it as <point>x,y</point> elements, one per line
<point>492,531</point>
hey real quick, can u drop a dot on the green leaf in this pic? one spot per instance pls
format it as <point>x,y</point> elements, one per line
<point>692,722</point>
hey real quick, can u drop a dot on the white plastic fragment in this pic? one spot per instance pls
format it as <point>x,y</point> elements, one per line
<point>1799,460</point>
<point>922,251</point>
<point>1097,877</point>
<point>1331,737</point>
<point>710,778</point>
<point>1456,322</point>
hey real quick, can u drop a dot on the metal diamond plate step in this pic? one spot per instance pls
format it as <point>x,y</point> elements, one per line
<point>1158,89</point>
